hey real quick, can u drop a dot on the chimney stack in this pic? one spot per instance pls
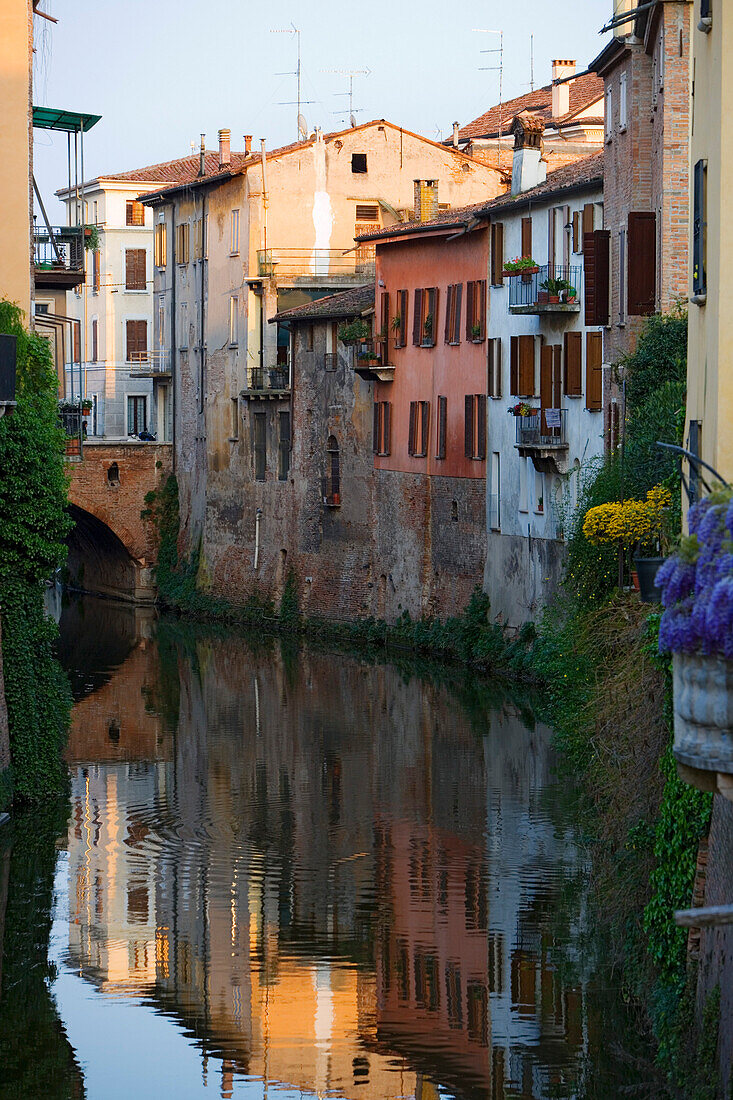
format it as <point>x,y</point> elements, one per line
<point>426,200</point>
<point>528,167</point>
<point>225,144</point>
<point>248,143</point>
<point>456,128</point>
<point>561,92</point>
<point>202,156</point>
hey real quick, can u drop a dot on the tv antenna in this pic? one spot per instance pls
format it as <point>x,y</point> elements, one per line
<point>500,69</point>
<point>351,73</point>
<point>531,62</point>
<point>301,126</point>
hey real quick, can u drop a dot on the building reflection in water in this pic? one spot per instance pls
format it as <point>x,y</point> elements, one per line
<point>325,873</point>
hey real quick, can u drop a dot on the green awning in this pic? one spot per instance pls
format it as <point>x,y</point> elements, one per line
<point>71,122</point>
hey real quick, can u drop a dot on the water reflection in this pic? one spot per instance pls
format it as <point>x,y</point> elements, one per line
<point>320,875</point>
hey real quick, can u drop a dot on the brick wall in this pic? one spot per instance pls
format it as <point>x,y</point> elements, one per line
<point>716,944</point>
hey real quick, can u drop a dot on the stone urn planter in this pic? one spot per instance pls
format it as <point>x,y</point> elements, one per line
<point>647,570</point>
<point>703,713</point>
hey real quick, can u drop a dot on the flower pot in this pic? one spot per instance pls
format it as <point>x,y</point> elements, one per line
<point>634,580</point>
<point>542,297</point>
<point>554,299</point>
<point>519,271</point>
<point>703,712</point>
<point>647,570</point>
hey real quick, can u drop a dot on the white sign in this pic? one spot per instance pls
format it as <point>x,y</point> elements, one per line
<point>553,418</point>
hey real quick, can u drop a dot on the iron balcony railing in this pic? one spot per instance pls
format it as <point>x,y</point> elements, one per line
<point>153,361</point>
<point>545,428</point>
<point>266,379</point>
<point>58,248</point>
<point>313,263</point>
<point>552,285</point>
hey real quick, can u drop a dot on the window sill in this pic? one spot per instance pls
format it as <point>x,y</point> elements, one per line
<point>495,396</point>
<point>424,345</point>
<point>574,396</point>
<point>135,290</point>
<point>699,299</point>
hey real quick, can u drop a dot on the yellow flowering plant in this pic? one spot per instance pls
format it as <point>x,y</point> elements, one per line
<point>630,522</point>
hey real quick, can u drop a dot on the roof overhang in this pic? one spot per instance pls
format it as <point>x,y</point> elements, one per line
<point>69,122</point>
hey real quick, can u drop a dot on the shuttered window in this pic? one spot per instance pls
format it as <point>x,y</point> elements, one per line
<point>475,426</point>
<point>384,323</point>
<point>95,340</point>
<point>425,320</point>
<point>550,384</point>
<point>497,254</point>
<point>283,464</point>
<point>134,213</point>
<point>96,280</point>
<point>441,427</point>
<point>494,367</point>
<point>77,341</point>
<point>699,229</point>
<point>642,245</point>
<point>137,341</point>
<point>522,366</point>
<point>135,269</point>
<point>182,243</point>
<point>259,444</point>
<point>417,443</point>
<point>573,364</point>
<point>366,213</point>
<point>596,248</point>
<point>453,314</point>
<point>476,311</point>
<point>417,318</point>
<point>594,371</point>
<point>160,244</point>
<point>382,427</point>
<point>526,236</point>
<point>401,329</point>
<point>577,235</point>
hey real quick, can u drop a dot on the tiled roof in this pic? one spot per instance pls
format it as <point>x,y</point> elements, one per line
<point>589,171</point>
<point>584,91</point>
<point>447,219</point>
<point>348,303</point>
<point>176,171</point>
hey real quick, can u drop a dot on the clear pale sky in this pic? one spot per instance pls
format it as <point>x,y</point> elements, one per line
<point>161,72</point>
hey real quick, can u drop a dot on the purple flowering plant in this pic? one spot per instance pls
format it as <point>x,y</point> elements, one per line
<point>697,582</point>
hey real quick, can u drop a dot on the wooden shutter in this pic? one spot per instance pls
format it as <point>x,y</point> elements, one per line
<point>481,289</point>
<point>497,253</point>
<point>556,375</point>
<point>577,238</point>
<point>375,428</point>
<point>442,417</point>
<point>413,428</point>
<point>494,358</point>
<point>424,426</point>
<point>526,366</point>
<point>642,246</point>
<point>403,318</point>
<point>95,340</point>
<point>458,295</point>
<point>699,215</point>
<point>526,236</point>
<point>448,334</point>
<point>588,218</point>
<point>470,307</point>
<point>433,311</point>
<point>468,426</point>
<point>514,366</point>
<point>596,249</point>
<point>481,425</point>
<point>137,341</point>
<point>573,363</point>
<point>77,341</point>
<point>594,371</point>
<point>135,269</point>
<point>95,271</point>
<point>417,319</point>
<point>546,362</point>
<point>386,427</point>
<point>384,329</point>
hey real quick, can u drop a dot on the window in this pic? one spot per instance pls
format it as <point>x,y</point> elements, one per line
<point>573,364</point>
<point>594,371</point>
<point>596,250</point>
<point>424,322</point>
<point>522,366</point>
<point>234,426</point>
<point>233,320</point>
<point>234,236</point>
<point>358,163</point>
<point>95,340</point>
<point>367,214</point>
<point>622,276</point>
<point>577,237</point>
<point>384,325</point>
<point>160,244</point>
<point>332,481</point>
<point>283,459</point>
<point>699,229</point>
<point>642,276</point>
<point>495,492</point>
<point>136,415</point>
<point>381,435</point>
<point>441,427</point>
<point>137,341</point>
<point>95,270</point>
<point>198,240</point>
<point>494,353</point>
<point>184,324</point>
<point>475,426</point>
<point>478,1013</point>
<point>182,242</point>
<point>622,102</point>
<point>523,506</point>
<point>134,213</point>
<point>476,311</point>
<point>539,492</point>
<point>135,269</point>
<point>497,254</point>
<point>259,442</point>
<point>77,342</point>
<point>609,115</point>
<point>453,314</point>
<point>400,330</point>
<point>417,442</point>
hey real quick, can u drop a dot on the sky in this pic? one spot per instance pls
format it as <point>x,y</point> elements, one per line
<point>161,72</point>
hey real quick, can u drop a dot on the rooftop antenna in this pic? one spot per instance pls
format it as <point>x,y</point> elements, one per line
<point>531,62</point>
<point>292,29</point>
<point>494,68</point>
<point>351,73</point>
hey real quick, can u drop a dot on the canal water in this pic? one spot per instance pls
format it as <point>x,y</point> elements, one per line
<point>293,873</point>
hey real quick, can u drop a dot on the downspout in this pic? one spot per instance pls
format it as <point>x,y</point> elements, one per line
<point>203,319</point>
<point>258,517</point>
<point>173,349</point>
<point>263,297</point>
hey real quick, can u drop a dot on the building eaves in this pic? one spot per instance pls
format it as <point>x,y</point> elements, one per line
<point>582,175</point>
<point>585,90</point>
<point>347,303</point>
<point>459,217</point>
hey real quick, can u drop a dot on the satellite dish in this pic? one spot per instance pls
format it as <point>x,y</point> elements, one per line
<point>352,120</point>
<point>302,128</point>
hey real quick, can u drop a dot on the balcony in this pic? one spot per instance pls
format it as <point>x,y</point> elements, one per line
<point>370,361</point>
<point>265,383</point>
<point>551,289</point>
<point>150,364</point>
<point>543,438</point>
<point>58,256</point>
<point>331,267</point>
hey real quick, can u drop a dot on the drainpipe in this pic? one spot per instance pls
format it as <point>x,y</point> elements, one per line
<point>203,327</point>
<point>258,517</point>
<point>173,347</point>
<point>263,299</point>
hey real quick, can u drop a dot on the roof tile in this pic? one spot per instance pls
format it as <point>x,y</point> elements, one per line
<point>584,91</point>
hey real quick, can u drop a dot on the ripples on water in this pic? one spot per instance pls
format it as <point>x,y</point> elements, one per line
<point>308,878</point>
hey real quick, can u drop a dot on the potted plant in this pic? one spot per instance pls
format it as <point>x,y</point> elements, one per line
<point>476,333</point>
<point>351,332</point>
<point>520,265</point>
<point>522,409</point>
<point>568,294</point>
<point>91,238</point>
<point>427,329</point>
<point>396,323</point>
<point>553,287</point>
<point>633,524</point>
<point>697,629</point>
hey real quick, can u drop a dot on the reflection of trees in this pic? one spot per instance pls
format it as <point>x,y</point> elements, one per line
<point>36,1059</point>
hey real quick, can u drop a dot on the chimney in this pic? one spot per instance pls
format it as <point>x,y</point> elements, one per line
<point>561,92</point>
<point>248,144</point>
<point>528,167</point>
<point>456,128</point>
<point>426,200</point>
<point>225,142</point>
<point>202,156</point>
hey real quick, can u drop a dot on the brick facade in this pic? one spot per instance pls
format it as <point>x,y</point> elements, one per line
<point>716,944</point>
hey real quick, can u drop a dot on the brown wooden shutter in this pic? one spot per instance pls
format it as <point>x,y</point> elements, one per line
<point>526,366</point>
<point>457,306</point>
<point>448,333</point>
<point>481,425</point>
<point>546,361</point>
<point>433,301</point>
<point>135,269</point>
<point>526,236</point>
<point>594,371</point>
<point>77,341</point>
<point>417,319</point>
<point>556,375</point>
<point>403,317</point>
<point>95,270</point>
<point>497,253</point>
<point>514,366</point>
<point>576,232</point>
<point>385,315</point>
<point>424,426</point>
<point>588,218</point>
<point>596,248</point>
<point>413,428</point>
<point>468,426</point>
<point>481,286</point>
<point>95,340</point>
<point>375,428</point>
<point>470,307</point>
<point>442,417</point>
<point>494,361</point>
<point>386,427</point>
<point>573,363</point>
<point>137,341</point>
<point>642,250</point>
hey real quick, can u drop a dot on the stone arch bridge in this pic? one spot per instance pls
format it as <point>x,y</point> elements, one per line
<point>112,550</point>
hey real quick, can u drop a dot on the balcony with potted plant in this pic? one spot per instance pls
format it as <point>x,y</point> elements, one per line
<point>548,289</point>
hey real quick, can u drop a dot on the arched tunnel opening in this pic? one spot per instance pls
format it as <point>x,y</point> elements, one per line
<point>98,561</point>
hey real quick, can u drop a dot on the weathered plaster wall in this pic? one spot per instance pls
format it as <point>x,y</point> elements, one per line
<point>16,166</point>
